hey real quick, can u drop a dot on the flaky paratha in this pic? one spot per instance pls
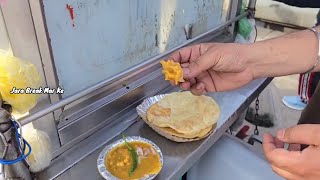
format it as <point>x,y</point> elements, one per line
<point>174,137</point>
<point>200,134</point>
<point>184,113</point>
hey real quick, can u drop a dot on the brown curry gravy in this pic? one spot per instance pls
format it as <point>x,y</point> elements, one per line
<point>119,162</point>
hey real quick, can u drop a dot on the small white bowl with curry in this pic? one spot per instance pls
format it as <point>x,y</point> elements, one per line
<point>130,158</point>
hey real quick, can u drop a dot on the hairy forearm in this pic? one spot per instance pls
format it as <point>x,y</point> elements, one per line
<point>290,54</point>
<point>301,3</point>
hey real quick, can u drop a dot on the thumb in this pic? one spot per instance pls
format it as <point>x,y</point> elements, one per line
<point>198,66</point>
<point>301,134</point>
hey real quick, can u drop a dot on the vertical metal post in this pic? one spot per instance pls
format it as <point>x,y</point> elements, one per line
<point>252,7</point>
<point>25,44</point>
<point>234,10</point>
<point>252,4</point>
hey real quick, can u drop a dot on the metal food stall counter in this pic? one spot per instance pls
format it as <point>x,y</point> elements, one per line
<point>178,157</point>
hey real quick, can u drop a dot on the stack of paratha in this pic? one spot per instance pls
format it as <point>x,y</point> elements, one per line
<point>183,117</point>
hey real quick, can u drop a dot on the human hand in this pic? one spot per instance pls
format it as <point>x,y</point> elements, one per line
<point>294,164</point>
<point>213,67</point>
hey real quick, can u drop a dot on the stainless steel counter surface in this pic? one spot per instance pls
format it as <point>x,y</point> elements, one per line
<point>232,154</point>
<point>178,157</point>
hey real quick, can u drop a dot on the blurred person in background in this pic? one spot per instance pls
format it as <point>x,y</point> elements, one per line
<point>307,82</point>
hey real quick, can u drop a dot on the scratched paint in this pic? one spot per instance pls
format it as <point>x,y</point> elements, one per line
<point>112,36</point>
<point>71,13</point>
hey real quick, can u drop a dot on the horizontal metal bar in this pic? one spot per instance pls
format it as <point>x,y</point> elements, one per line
<point>32,117</point>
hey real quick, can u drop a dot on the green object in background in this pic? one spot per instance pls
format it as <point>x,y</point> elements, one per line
<point>244,26</point>
<point>243,6</point>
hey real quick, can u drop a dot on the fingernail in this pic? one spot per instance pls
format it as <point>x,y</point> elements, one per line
<point>280,134</point>
<point>186,71</point>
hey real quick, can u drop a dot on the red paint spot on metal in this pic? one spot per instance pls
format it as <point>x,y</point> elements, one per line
<point>70,9</point>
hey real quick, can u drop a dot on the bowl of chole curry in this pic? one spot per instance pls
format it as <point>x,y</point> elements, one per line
<point>180,116</point>
<point>130,158</point>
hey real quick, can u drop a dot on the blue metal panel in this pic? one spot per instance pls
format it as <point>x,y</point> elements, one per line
<point>105,37</point>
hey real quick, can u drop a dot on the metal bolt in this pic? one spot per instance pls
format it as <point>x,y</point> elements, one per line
<point>188,31</point>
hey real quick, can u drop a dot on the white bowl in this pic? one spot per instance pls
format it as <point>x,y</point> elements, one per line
<point>101,159</point>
